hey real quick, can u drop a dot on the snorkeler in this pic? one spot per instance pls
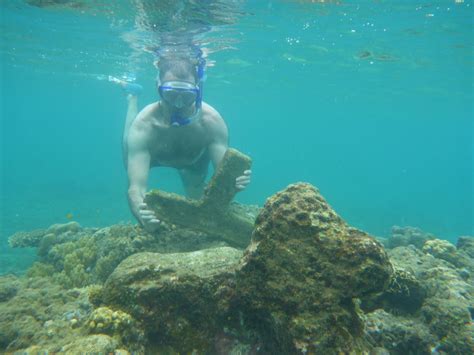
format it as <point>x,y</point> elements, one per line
<point>179,131</point>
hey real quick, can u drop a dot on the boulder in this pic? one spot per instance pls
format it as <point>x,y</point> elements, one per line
<point>175,296</point>
<point>299,279</point>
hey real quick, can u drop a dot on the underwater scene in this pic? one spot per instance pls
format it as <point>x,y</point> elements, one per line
<point>236,177</point>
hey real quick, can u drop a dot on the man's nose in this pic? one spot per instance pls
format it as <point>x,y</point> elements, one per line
<point>179,102</point>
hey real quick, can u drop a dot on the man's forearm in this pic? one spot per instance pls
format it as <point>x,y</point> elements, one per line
<point>135,198</point>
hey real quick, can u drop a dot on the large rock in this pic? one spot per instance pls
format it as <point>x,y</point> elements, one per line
<point>299,278</point>
<point>175,296</point>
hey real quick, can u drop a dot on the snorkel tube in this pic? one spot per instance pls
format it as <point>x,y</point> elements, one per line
<point>200,75</point>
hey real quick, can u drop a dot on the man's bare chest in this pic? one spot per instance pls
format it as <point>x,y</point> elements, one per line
<point>171,147</point>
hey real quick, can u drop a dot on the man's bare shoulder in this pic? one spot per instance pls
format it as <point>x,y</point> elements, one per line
<point>145,118</point>
<point>213,121</point>
<point>211,116</point>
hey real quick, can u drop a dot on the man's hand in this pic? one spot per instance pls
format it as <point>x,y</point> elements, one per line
<point>148,218</point>
<point>242,181</point>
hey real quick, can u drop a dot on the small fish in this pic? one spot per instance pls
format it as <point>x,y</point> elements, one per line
<point>69,216</point>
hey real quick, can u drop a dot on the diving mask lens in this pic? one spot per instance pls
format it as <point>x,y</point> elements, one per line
<point>179,94</point>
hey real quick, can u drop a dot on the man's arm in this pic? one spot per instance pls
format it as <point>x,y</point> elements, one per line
<point>219,142</point>
<point>138,166</point>
<point>132,111</point>
<point>218,147</point>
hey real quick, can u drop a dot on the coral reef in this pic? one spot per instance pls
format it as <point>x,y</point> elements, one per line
<point>9,285</point>
<point>211,214</point>
<point>398,334</point>
<point>104,320</point>
<point>441,249</point>
<point>448,304</point>
<point>404,294</point>
<point>90,255</point>
<point>466,245</point>
<point>42,317</point>
<point>307,283</point>
<point>57,232</point>
<point>84,258</point>
<point>41,314</point>
<point>404,236</point>
<point>27,239</point>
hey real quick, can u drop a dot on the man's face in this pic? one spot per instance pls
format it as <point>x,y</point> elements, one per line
<point>178,91</point>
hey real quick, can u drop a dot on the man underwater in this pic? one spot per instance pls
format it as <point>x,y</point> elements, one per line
<point>179,131</point>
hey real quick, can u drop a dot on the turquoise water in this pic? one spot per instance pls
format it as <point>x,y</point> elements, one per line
<point>372,103</point>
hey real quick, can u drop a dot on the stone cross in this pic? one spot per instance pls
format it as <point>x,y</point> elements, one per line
<point>212,214</point>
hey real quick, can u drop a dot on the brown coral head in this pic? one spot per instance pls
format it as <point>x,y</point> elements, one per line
<point>299,208</point>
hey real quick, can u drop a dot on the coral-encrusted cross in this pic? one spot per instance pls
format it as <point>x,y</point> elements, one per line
<point>212,214</point>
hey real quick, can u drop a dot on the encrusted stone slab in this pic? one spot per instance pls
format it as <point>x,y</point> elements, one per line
<point>221,189</point>
<point>212,214</point>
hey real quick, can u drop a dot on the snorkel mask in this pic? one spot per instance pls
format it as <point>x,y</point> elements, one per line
<point>180,94</point>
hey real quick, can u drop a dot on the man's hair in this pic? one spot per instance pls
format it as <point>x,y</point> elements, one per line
<point>179,67</point>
